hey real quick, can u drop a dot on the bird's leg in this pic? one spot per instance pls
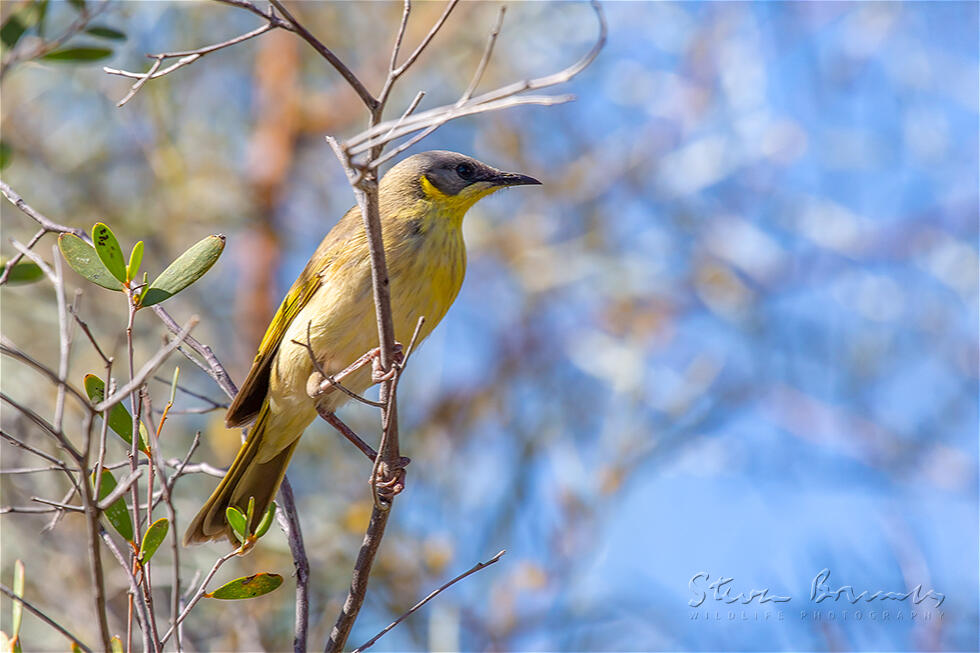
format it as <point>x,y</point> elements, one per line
<point>346,431</point>
<point>337,423</point>
<point>389,480</point>
<point>327,383</point>
<point>377,374</point>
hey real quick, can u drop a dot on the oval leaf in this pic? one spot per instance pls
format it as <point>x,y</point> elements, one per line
<point>104,32</point>
<point>78,54</point>
<point>107,247</point>
<point>135,258</point>
<point>153,538</point>
<point>23,272</point>
<point>188,268</point>
<point>247,588</point>
<point>117,514</point>
<point>237,521</point>
<point>12,30</point>
<point>82,258</point>
<point>266,522</point>
<point>120,421</point>
<point>17,612</point>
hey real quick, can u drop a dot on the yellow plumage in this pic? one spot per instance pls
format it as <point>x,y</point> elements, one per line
<point>422,203</point>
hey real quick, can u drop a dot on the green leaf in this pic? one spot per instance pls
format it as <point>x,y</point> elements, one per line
<point>185,270</point>
<point>6,154</point>
<point>173,385</point>
<point>104,32</point>
<point>249,512</point>
<point>82,258</point>
<point>120,421</point>
<point>247,588</point>
<point>12,30</point>
<point>117,513</point>
<point>237,522</point>
<point>266,522</point>
<point>135,258</point>
<point>153,538</point>
<point>107,247</point>
<point>23,272</point>
<point>17,612</point>
<point>78,54</point>
<point>116,644</point>
<point>79,5</point>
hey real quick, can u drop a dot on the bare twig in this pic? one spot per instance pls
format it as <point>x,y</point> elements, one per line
<point>369,101</point>
<point>184,58</point>
<point>120,489</point>
<point>472,570</point>
<point>57,504</point>
<point>133,588</point>
<point>43,47</point>
<point>211,366</point>
<point>200,592</point>
<point>485,59</point>
<point>148,368</point>
<point>16,259</point>
<point>288,518</point>
<point>47,224</point>
<point>45,618</point>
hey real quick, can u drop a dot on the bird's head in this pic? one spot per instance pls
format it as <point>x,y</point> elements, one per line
<point>449,180</point>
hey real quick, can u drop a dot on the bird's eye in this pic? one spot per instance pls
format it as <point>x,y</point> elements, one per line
<point>464,170</point>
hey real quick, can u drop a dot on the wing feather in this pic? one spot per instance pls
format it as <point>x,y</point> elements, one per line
<point>252,393</point>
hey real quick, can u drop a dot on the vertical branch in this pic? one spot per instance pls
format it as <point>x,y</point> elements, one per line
<point>92,514</point>
<point>289,521</point>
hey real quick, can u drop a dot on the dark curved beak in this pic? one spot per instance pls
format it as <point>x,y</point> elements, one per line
<point>511,179</point>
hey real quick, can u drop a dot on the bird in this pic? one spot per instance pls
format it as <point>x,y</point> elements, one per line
<point>329,314</point>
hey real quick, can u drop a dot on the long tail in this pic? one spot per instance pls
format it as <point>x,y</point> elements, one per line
<point>245,478</point>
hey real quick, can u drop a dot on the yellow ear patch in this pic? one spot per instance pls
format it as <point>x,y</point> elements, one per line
<point>431,191</point>
<point>459,203</point>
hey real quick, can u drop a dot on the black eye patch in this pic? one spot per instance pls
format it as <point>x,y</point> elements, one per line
<point>465,171</point>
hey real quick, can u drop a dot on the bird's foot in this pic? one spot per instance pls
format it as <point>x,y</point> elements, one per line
<point>390,479</point>
<point>377,374</point>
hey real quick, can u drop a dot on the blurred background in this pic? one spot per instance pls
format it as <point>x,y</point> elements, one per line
<point>735,332</point>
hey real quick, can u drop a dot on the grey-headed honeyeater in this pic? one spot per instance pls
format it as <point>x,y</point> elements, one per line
<point>330,307</point>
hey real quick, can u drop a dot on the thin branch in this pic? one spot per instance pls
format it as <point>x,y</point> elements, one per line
<point>485,59</point>
<point>500,98</point>
<point>91,338</point>
<point>57,504</point>
<point>45,618</point>
<point>211,366</point>
<point>47,224</point>
<point>120,489</point>
<point>8,348</point>
<point>184,58</point>
<point>148,368</point>
<point>472,570</point>
<point>9,266</point>
<point>45,426</point>
<point>398,72</point>
<point>288,518</point>
<point>400,35</point>
<point>200,592</point>
<point>369,101</point>
<point>196,468</point>
<point>133,587</point>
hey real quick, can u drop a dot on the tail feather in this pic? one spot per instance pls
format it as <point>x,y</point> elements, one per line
<point>244,479</point>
